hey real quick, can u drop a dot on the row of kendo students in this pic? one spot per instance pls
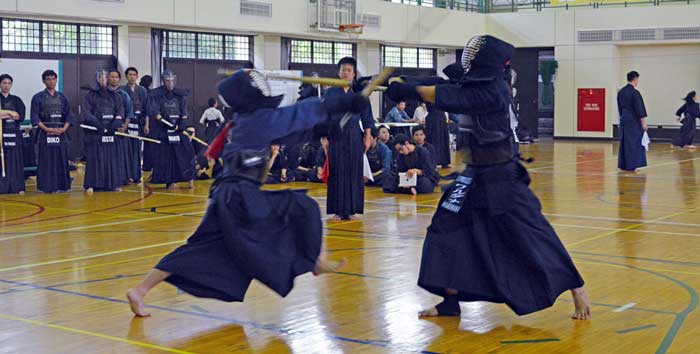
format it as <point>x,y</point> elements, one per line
<point>112,118</point>
<point>386,158</point>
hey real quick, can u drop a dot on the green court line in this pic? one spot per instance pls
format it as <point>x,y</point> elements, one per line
<point>680,317</point>
<point>526,341</point>
<point>635,329</point>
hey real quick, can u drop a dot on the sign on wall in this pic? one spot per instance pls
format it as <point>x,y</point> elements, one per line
<point>591,110</point>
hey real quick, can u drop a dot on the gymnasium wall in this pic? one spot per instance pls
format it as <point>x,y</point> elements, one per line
<point>668,70</point>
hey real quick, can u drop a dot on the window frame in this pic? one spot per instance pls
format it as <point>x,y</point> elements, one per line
<point>402,49</point>
<point>227,55</point>
<point>42,44</point>
<point>335,51</point>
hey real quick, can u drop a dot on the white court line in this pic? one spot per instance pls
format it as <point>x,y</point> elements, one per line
<point>97,225</point>
<point>625,307</point>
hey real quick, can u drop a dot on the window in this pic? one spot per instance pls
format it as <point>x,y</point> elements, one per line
<point>208,46</point>
<point>96,40</point>
<point>211,46</point>
<point>428,3</point>
<point>57,37</point>
<point>181,45</point>
<point>318,52</point>
<point>400,57</point>
<point>60,38</point>
<point>237,48</point>
<point>20,36</point>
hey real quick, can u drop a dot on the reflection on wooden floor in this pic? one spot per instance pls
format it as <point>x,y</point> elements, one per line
<point>67,259</point>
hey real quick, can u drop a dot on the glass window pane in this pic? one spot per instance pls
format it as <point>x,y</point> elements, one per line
<point>96,40</point>
<point>60,38</point>
<point>342,50</point>
<point>19,35</point>
<point>211,46</point>
<point>180,45</point>
<point>425,58</point>
<point>300,51</point>
<point>409,57</point>
<point>237,48</point>
<point>323,53</point>
<point>392,57</point>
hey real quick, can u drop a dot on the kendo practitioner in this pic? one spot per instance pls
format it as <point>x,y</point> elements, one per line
<point>122,142</point>
<point>412,160</point>
<point>633,124</point>
<point>135,124</point>
<point>380,159</point>
<point>103,109</point>
<point>50,112</point>
<point>11,116</point>
<point>174,157</point>
<point>419,139</point>
<point>687,114</point>
<point>248,233</point>
<point>277,166</point>
<point>345,184</point>
<point>488,239</point>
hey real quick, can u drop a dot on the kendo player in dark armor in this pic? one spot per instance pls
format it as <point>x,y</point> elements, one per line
<point>174,159</point>
<point>488,239</point>
<point>12,114</point>
<point>103,109</point>
<point>248,233</point>
<point>50,112</point>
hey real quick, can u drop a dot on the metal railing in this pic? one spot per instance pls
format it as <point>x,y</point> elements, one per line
<point>488,6</point>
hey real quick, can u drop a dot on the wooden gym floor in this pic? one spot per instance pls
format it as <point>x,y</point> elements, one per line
<point>66,261</point>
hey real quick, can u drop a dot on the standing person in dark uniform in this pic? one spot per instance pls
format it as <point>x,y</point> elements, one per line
<point>437,134</point>
<point>175,157</point>
<point>11,116</point>
<point>148,149</point>
<point>346,193</point>
<point>248,233</point>
<point>50,112</point>
<point>136,124</point>
<point>633,124</point>
<point>687,114</point>
<point>126,174</point>
<point>488,239</point>
<point>103,109</point>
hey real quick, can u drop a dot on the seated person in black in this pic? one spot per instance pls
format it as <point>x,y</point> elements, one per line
<point>277,166</point>
<point>380,160</point>
<point>412,160</point>
<point>305,161</point>
<point>419,140</point>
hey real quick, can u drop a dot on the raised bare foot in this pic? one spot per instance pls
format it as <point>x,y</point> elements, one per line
<point>90,191</point>
<point>582,305</point>
<point>136,303</point>
<point>328,266</point>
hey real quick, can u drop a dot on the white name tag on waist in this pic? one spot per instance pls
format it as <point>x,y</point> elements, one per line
<point>133,132</point>
<point>174,138</point>
<point>9,135</point>
<point>137,112</point>
<point>108,139</point>
<point>9,143</point>
<point>133,126</point>
<point>53,139</point>
<point>56,116</point>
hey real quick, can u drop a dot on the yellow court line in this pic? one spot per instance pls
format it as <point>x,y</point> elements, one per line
<point>65,260</point>
<point>62,222</point>
<point>641,268</point>
<point>93,334</point>
<point>631,227</point>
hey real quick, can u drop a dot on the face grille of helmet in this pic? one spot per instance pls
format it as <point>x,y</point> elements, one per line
<point>470,50</point>
<point>260,82</point>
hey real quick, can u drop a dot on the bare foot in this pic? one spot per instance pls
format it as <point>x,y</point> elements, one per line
<point>136,303</point>
<point>582,305</point>
<point>413,191</point>
<point>328,266</point>
<point>117,189</point>
<point>431,312</point>
<point>337,217</point>
<point>171,187</point>
<point>90,191</point>
<point>691,147</point>
<point>21,193</point>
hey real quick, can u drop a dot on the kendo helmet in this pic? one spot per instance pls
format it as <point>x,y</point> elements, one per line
<point>246,91</point>
<point>102,77</point>
<point>169,79</point>
<point>485,58</point>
